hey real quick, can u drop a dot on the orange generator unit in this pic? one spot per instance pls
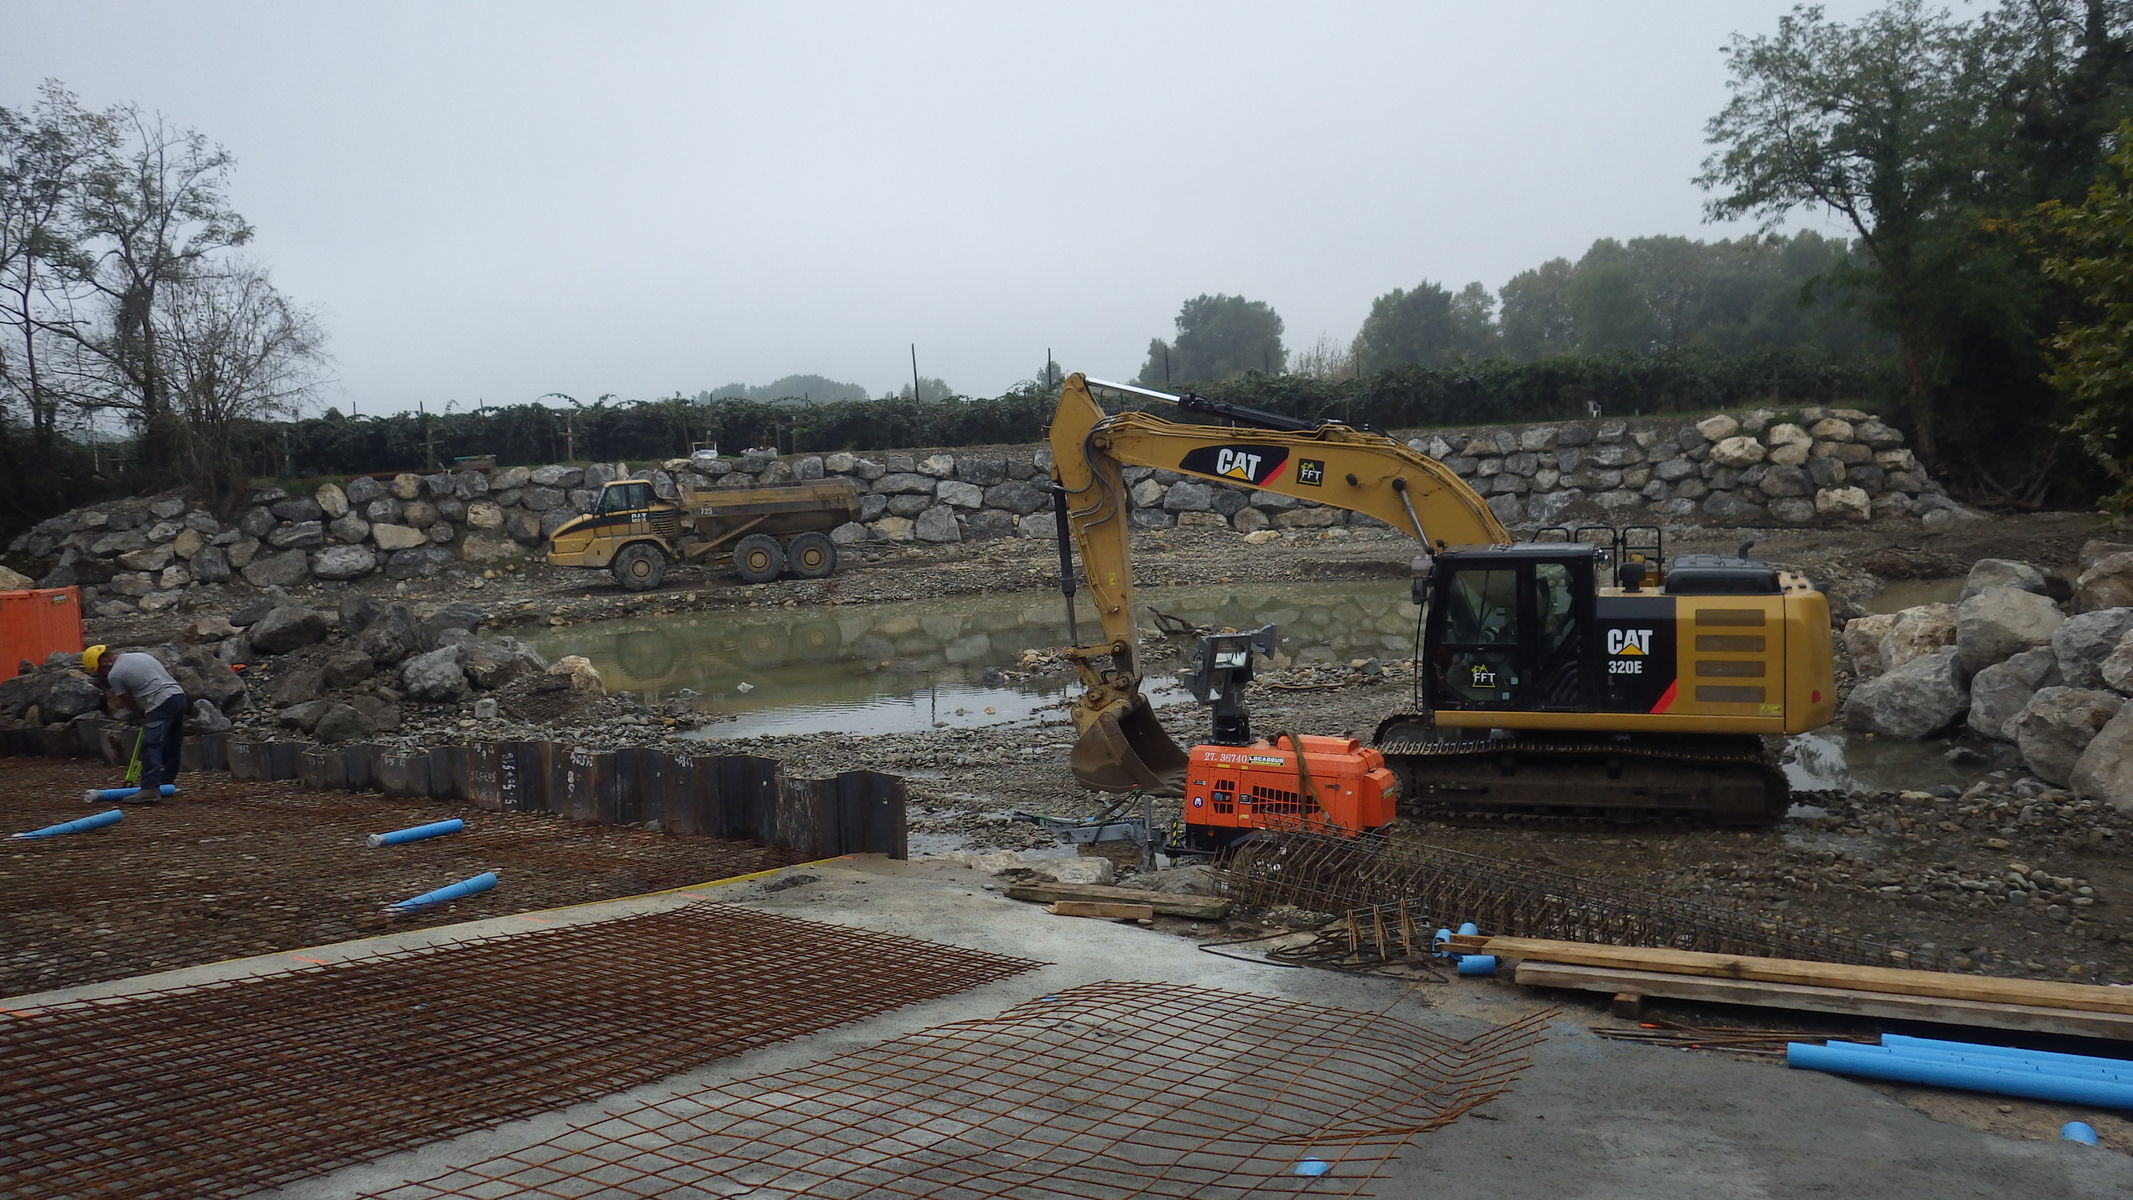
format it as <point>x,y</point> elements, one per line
<point>36,623</point>
<point>1232,790</point>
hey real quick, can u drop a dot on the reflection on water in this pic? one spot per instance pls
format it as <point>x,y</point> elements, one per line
<point>1910,593</point>
<point>889,668</point>
<point>1828,760</point>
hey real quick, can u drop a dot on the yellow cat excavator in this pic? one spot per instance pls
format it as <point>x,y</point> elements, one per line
<point>1569,678</point>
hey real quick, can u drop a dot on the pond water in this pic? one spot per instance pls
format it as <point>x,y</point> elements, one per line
<point>1910,593</point>
<point>889,668</point>
<point>902,668</point>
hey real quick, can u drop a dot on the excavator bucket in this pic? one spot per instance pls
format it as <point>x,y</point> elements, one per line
<point>1126,749</point>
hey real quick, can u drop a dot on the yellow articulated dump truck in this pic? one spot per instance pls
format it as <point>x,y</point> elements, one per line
<point>780,529</point>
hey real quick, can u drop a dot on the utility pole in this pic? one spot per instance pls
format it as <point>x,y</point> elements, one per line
<point>1047,368</point>
<point>914,373</point>
<point>570,437</point>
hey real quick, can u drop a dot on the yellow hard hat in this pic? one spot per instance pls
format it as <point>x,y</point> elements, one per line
<point>92,656</point>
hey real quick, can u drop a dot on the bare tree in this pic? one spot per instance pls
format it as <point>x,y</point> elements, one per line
<point>45,159</point>
<point>232,349</point>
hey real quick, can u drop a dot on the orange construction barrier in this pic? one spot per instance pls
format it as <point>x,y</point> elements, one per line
<point>36,623</point>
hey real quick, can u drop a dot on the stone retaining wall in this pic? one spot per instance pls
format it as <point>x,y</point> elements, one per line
<point>1813,466</point>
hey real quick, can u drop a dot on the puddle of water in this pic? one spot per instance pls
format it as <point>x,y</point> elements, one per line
<point>1910,593</point>
<point>894,668</point>
<point>1828,760</point>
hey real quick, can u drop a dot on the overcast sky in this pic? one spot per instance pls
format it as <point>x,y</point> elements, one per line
<point>490,201</point>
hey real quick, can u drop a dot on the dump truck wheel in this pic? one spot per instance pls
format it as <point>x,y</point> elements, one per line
<point>640,567</point>
<point>810,556</point>
<point>757,558</point>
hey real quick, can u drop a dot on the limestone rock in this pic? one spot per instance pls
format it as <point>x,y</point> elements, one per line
<point>490,663</point>
<point>486,547</point>
<point>397,537</point>
<point>1844,504</point>
<point>579,669</point>
<point>1915,700</point>
<point>331,500</point>
<point>960,494</point>
<point>349,529</point>
<point>287,627</point>
<point>1718,428</point>
<point>2057,724</point>
<point>363,490</point>
<point>2085,642</point>
<point>1999,692</point>
<point>344,562</point>
<point>2003,572</point>
<point>2105,769</point>
<point>1862,640</point>
<point>2108,583</point>
<point>2000,622</point>
<point>1738,452</point>
<point>485,514</point>
<point>435,675</point>
<point>286,569</point>
<point>938,525</point>
<point>2118,667</point>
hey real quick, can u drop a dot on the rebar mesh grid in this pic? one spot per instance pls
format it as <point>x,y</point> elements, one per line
<point>1108,1091</point>
<point>234,1086</point>
<point>1398,891</point>
<point>230,868</point>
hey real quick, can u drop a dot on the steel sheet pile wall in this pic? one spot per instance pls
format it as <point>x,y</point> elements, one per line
<point>718,795</point>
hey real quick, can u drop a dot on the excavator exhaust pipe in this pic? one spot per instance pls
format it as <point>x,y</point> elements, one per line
<point>1127,750</point>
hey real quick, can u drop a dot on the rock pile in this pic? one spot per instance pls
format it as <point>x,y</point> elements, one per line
<point>2022,658</point>
<point>1813,466</point>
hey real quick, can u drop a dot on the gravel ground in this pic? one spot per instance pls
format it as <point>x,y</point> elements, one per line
<point>2004,873</point>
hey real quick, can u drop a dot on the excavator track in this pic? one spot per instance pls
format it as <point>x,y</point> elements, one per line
<point>1583,781</point>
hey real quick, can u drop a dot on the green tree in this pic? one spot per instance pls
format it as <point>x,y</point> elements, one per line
<point>1218,337</point>
<point>1536,320</point>
<point>1884,122</point>
<point>1608,304</point>
<point>45,156</point>
<point>2090,252</point>
<point>1409,328</point>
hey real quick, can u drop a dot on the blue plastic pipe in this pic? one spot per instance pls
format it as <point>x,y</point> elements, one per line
<point>465,887</point>
<point>76,826</point>
<point>2104,1069</point>
<point>1440,944</point>
<point>2078,1131</point>
<point>1878,1062</point>
<point>1477,964</point>
<point>1915,1045</point>
<point>1469,929</point>
<point>114,795</point>
<point>415,833</point>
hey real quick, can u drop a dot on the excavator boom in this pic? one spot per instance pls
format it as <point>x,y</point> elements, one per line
<point>1122,746</point>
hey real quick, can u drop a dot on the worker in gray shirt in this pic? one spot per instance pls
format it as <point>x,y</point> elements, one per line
<point>137,681</point>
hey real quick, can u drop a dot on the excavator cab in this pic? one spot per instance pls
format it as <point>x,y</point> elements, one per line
<point>1510,627</point>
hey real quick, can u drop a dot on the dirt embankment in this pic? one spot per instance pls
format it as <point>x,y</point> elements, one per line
<point>2000,872</point>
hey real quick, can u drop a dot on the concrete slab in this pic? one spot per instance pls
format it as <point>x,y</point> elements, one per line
<point>1589,1118</point>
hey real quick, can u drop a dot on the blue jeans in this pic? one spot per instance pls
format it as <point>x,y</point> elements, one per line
<point>162,743</point>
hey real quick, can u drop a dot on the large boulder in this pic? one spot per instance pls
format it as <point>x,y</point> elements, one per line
<point>2084,642</point>
<point>937,524</point>
<point>344,562</point>
<point>1915,700</point>
<point>2107,583</point>
<point>287,627</point>
<point>204,717</point>
<point>363,490</point>
<point>331,500</point>
<point>1998,623</point>
<point>64,694</point>
<point>2105,769</point>
<point>1917,631</point>
<point>2057,724</point>
<point>486,547</point>
<point>457,616</point>
<point>1999,692</point>
<point>391,636</point>
<point>1862,640</point>
<point>491,663</point>
<point>2118,667</point>
<point>1738,452</point>
<point>2003,572</point>
<point>435,676</point>
<point>397,537</point>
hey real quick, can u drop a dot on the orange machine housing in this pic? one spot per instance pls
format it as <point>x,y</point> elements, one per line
<point>36,623</point>
<point>1231,790</point>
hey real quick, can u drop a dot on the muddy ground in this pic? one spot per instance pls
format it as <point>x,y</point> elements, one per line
<point>227,869</point>
<point>1999,874</point>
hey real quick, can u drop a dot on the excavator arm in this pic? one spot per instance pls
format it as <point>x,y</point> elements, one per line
<point>1122,747</point>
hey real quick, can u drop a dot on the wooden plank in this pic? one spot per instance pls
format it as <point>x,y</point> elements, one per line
<point>1849,1001</point>
<point>1204,907</point>
<point>2084,997</point>
<point>1111,909</point>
